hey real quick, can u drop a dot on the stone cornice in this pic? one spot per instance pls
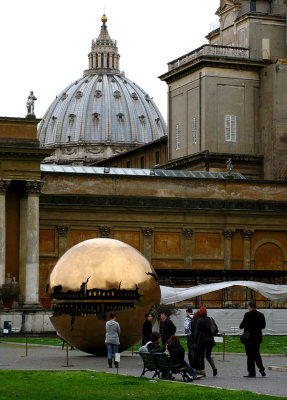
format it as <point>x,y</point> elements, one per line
<point>213,62</point>
<point>26,121</point>
<point>211,157</point>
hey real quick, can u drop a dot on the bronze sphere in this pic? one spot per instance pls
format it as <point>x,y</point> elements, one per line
<point>94,278</point>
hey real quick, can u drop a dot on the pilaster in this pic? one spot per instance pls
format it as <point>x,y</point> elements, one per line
<point>33,189</point>
<point>247,236</point>
<point>62,238</point>
<point>227,235</point>
<point>4,184</point>
<point>187,234</point>
<point>147,242</point>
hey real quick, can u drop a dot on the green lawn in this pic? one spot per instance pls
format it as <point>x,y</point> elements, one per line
<point>46,385</point>
<point>270,345</point>
<point>52,341</point>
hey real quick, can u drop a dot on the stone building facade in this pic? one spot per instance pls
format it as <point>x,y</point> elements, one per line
<point>193,227</point>
<point>227,99</point>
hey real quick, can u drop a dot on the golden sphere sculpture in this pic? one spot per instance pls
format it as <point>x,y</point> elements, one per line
<point>94,278</point>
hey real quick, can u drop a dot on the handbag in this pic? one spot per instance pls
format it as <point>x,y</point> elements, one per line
<point>245,337</point>
<point>213,327</point>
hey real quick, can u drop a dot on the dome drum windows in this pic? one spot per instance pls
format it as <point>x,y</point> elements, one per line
<point>120,117</point>
<point>72,118</point>
<point>117,94</point>
<point>64,96</point>
<point>79,94</point>
<point>96,116</point>
<point>134,96</point>
<point>98,94</point>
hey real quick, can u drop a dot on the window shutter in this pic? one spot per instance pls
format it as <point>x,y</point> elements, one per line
<point>233,128</point>
<point>227,128</point>
<point>230,128</point>
<point>177,137</point>
<point>194,130</point>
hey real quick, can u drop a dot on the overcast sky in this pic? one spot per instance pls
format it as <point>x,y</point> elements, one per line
<point>45,44</point>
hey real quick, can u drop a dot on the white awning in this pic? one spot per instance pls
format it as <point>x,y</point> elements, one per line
<point>169,295</point>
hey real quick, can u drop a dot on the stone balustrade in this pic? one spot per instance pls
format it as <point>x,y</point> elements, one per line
<point>210,50</point>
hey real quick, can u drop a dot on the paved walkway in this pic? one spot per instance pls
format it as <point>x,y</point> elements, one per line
<point>230,372</point>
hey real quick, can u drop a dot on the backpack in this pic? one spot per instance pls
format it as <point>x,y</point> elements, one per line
<point>187,329</point>
<point>213,327</point>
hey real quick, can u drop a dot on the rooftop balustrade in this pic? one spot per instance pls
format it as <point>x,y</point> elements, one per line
<point>210,50</point>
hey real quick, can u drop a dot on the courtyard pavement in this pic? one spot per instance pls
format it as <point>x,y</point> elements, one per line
<point>230,371</point>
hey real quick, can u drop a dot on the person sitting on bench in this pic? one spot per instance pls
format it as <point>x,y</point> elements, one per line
<point>176,352</point>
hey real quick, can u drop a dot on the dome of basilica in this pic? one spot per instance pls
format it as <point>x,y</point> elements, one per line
<point>101,114</point>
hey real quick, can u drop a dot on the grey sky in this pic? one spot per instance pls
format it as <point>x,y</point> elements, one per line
<point>45,44</point>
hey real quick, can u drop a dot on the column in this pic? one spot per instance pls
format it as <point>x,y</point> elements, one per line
<point>105,231</point>
<point>247,236</point>
<point>4,184</point>
<point>111,60</point>
<point>227,234</point>
<point>187,236</point>
<point>62,239</point>
<point>99,61</point>
<point>33,189</point>
<point>147,242</point>
<point>105,60</point>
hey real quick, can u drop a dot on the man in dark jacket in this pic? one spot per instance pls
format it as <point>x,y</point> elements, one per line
<point>167,327</point>
<point>147,328</point>
<point>253,323</point>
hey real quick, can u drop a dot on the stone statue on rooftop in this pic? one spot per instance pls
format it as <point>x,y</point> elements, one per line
<point>229,167</point>
<point>30,104</point>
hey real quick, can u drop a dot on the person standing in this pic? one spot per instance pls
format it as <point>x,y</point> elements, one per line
<point>189,329</point>
<point>204,341</point>
<point>147,328</point>
<point>112,338</point>
<point>167,327</point>
<point>253,323</point>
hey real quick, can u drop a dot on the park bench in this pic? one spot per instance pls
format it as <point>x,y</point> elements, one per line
<point>162,366</point>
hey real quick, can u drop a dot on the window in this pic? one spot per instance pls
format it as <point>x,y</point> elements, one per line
<point>241,38</point>
<point>157,157</point>
<point>230,128</point>
<point>128,164</point>
<point>194,130</point>
<point>142,162</point>
<point>177,137</point>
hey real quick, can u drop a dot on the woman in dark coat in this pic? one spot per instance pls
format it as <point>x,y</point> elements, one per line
<point>176,352</point>
<point>204,341</point>
<point>147,328</point>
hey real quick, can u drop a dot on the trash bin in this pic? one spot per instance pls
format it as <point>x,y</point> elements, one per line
<point>7,326</point>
